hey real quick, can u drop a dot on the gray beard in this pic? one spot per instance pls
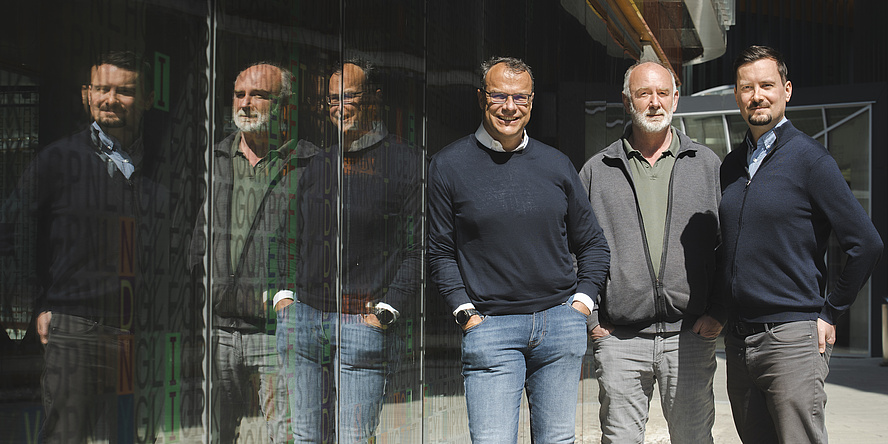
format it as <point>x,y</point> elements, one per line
<point>260,125</point>
<point>640,120</point>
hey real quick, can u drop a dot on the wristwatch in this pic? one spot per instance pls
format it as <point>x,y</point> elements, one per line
<point>385,317</point>
<point>463,316</point>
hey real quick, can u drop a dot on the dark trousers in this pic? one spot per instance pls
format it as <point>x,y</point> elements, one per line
<point>88,382</point>
<point>776,382</point>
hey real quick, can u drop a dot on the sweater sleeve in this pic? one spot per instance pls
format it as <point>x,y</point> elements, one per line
<point>442,240</point>
<point>406,281</point>
<point>586,240</point>
<point>854,231</point>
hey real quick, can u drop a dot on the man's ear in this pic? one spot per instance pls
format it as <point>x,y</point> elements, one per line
<point>482,99</point>
<point>149,101</point>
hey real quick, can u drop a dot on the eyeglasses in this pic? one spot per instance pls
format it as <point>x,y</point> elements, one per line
<point>347,98</point>
<point>499,98</point>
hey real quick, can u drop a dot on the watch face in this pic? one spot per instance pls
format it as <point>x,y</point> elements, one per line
<point>385,317</point>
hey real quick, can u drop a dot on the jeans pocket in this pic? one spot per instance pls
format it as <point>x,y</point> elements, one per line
<point>794,332</point>
<point>475,327</point>
<point>701,337</point>
<point>584,315</point>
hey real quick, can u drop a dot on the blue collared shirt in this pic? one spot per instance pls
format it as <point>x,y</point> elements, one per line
<point>109,149</point>
<point>760,150</point>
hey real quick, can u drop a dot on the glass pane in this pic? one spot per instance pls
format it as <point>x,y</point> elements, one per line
<point>808,121</point>
<point>708,130</point>
<point>850,144</point>
<point>835,115</point>
<point>101,167</point>
<point>737,127</point>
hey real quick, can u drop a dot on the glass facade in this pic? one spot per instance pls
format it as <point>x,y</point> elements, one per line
<point>255,151</point>
<point>235,251</point>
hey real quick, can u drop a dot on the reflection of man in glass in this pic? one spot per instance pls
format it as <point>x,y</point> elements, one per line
<point>339,337</point>
<point>254,176</point>
<point>76,217</point>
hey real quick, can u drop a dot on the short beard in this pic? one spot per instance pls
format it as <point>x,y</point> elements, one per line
<point>759,121</point>
<point>639,119</point>
<point>259,126</point>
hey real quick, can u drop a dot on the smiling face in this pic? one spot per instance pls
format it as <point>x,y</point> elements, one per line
<point>116,100</point>
<point>761,95</point>
<point>254,93</point>
<point>652,98</point>
<point>505,122</point>
<point>353,108</point>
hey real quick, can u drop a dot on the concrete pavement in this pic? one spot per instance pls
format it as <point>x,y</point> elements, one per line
<point>856,410</point>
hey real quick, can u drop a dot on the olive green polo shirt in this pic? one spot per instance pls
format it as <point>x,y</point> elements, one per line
<point>652,193</point>
<point>248,189</point>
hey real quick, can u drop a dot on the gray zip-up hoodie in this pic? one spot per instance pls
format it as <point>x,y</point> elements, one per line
<point>685,290</point>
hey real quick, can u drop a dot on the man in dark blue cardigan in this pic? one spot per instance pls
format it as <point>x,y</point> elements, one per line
<point>506,214</point>
<point>782,195</point>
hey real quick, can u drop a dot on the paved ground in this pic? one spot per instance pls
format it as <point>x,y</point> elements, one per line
<point>857,412</point>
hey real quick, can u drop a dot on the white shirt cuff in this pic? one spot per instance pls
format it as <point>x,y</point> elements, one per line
<point>388,307</point>
<point>585,299</point>
<point>466,306</point>
<point>280,296</point>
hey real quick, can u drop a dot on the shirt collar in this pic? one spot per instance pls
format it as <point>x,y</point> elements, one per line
<point>234,149</point>
<point>674,145</point>
<point>374,136</point>
<point>757,151</point>
<point>110,149</point>
<point>487,140</point>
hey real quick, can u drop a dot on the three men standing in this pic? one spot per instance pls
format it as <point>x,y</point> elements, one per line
<point>783,194</point>
<point>506,214</point>
<point>656,195</point>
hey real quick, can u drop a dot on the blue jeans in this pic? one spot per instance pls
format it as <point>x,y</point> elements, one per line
<point>336,368</point>
<point>776,383</point>
<point>540,352</point>
<point>240,360</point>
<point>628,364</point>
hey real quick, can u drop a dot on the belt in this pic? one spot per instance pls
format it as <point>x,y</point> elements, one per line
<point>744,329</point>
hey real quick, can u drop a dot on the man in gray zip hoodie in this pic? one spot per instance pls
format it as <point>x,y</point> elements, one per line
<point>656,194</point>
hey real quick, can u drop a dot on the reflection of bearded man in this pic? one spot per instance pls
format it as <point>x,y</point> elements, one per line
<point>254,122</point>
<point>644,119</point>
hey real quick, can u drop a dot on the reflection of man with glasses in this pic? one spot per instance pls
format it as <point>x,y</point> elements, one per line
<point>507,214</point>
<point>77,220</point>
<point>254,179</point>
<point>359,253</point>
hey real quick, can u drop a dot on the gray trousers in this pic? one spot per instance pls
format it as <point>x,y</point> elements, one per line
<point>248,381</point>
<point>628,364</point>
<point>776,383</point>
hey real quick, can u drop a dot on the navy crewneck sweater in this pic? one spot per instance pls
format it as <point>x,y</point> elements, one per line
<point>503,227</point>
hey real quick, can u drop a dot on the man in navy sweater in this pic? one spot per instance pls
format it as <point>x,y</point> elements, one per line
<point>79,223</point>
<point>506,214</point>
<point>782,195</point>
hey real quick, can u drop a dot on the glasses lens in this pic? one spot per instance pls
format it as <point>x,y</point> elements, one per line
<point>520,99</point>
<point>499,97</point>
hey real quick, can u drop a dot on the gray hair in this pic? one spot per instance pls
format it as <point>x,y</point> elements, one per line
<point>286,79</point>
<point>627,93</point>
<point>514,65</point>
